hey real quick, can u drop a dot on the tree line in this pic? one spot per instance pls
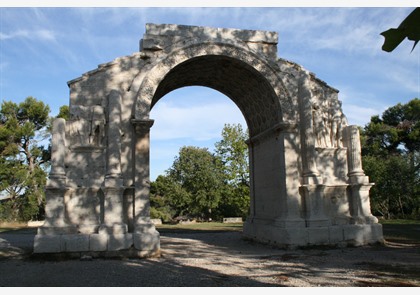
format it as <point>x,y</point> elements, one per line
<point>202,184</point>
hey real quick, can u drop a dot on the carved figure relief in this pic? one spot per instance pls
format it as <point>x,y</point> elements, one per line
<point>328,121</point>
<point>86,126</point>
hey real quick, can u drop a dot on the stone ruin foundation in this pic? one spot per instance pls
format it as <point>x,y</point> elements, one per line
<point>308,187</point>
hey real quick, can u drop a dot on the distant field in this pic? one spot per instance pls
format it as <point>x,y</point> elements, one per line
<point>200,226</point>
<point>397,231</point>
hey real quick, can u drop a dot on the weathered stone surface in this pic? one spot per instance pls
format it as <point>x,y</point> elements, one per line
<point>307,183</point>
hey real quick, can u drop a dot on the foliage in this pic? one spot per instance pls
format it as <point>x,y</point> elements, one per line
<point>24,160</point>
<point>199,175</point>
<point>204,185</point>
<point>397,132</point>
<point>191,186</point>
<point>64,112</point>
<point>391,158</point>
<point>409,28</point>
<point>233,153</point>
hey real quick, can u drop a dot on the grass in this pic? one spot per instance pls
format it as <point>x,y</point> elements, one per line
<point>401,231</point>
<point>10,226</point>
<point>200,226</point>
<point>397,231</point>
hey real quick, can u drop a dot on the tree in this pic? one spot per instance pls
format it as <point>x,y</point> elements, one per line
<point>199,173</point>
<point>396,132</point>
<point>24,160</point>
<point>409,28</point>
<point>64,112</point>
<point>233,153</point>
<point>168,199</point>
<point>192,186</point>
<point>391,157</point>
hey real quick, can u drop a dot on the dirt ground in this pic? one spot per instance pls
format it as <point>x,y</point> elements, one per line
<point>215,259</point>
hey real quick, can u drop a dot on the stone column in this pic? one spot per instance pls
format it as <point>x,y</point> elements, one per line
<point>145,235</point>
<point>359,185</point>
<point>113,185</point>
<point>310,172</point>
<point>57,174</point>
<point>55,213</point>
<point>312,189</point>
<point>354,155</point>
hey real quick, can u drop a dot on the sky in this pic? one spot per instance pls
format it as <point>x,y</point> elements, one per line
<point>42,48</point>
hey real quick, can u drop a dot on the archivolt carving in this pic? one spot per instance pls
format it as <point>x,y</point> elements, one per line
<point>151,82</point>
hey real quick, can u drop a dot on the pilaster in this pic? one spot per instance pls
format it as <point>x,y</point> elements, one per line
<point>145,236</point>
<point>310,172</point>
<point>56,221</point>
<point>113,188</point>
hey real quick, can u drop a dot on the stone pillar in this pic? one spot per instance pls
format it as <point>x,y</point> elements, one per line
<point>58,151</point>
<point>312,189</point>
<point>113,185</point>
<point>359,185</point>
<point>56,190</point>
<point>145,235</point>
<point>310,172</point>
<point>354,155</point>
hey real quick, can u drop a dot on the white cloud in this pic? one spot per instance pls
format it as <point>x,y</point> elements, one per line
<point>358,115</point>
<point>199,122</point>
<point>39,35</point>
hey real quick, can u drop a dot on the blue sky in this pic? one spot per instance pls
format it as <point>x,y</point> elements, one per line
<point>43,48</point>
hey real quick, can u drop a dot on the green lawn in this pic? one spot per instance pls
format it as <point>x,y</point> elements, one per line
<point>402,231</point>
<point>397,231</point>
<point>200,226</point>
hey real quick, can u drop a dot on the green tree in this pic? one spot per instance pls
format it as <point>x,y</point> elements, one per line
<point>198,173</point>
<point>409,28</point>
<point>396,132</point>
<point>168,199</point>
<point>24,160</point>
<point>391,158</point>
<point>233,153</point>
<point>64,112</point>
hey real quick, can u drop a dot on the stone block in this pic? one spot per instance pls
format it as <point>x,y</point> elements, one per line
<point>147,241</point>
<point>377,233</point>
<point>48,244</point>
<point>318,235</point>
<point>120,242</point>
<point>76,243</point>
<point>98,242</point>
<point>354,234</point>
<point>336,235</point>
<point>232,220</point>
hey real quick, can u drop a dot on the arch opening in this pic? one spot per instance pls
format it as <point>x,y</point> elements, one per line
<point>192,119</point>
<point>188,116</point>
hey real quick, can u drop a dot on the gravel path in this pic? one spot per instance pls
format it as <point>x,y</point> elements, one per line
<point>215,259</point>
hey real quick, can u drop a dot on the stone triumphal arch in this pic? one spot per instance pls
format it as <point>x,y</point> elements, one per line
<point>307,183</point>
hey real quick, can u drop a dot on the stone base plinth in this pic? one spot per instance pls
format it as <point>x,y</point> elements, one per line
<point>99,244</point>
<point>298,237</point>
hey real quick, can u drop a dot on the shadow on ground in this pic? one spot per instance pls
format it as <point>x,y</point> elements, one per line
<point>194,258</point>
